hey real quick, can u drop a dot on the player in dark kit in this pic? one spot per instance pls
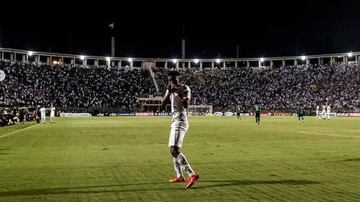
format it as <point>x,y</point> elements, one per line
<point>300,113</point>
<point>238,110</point>
<point>22,116</point>
<point>257,113</point>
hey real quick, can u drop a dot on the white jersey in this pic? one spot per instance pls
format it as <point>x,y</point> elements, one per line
<point>177,106</point>
<point>179,125</point>
<point>52,111</point>
<point>323,108</point>
<point>328,108</point>
<point>317,109</point>
<point>42,111</point>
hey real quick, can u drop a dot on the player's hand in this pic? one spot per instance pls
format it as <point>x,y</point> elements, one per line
<point>171,88</point>
<point>168,86</point>
<point>180,93</point>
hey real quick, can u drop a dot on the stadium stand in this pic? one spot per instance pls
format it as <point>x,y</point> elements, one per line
<point>73,86</point>
<point>277,89</point>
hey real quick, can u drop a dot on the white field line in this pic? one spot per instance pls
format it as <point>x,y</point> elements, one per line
<point>8,134</point>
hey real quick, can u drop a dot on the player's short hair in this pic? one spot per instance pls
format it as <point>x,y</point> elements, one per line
<point>173,73</point>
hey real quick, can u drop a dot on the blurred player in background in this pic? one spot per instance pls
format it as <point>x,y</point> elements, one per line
<point>238,110</point>
<point>300,113</point>
<point>52,114</point>
<point>323,112</point>
<point>318,112</point>
<point>257,113</point>
<point>328,109</point>
<point>43,115</point>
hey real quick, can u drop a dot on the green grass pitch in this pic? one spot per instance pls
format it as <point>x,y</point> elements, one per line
<point>127,159</point>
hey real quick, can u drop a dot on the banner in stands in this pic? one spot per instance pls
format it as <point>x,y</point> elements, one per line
<point>125,114</point>
<point>75,115</point>
<point>228,114</point>
<point>218,114</point>
<point>281,114</point>
<point>122,114</point>
<point>144,114</point>
<point>354,114</point>
<point>342,114</point>
<point>265,114</point>
<point>332,114</point>
<point>162,114</point>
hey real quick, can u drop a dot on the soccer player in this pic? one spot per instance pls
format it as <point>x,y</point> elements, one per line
<point>179,97</point>
<point>323,112</point>
<point>37,114</point>
<point>257,113</point>
<point>238,110</point>
<point>52,114</point>
<point>43,116</point>
<point>22,116</point>
<point>300,113</point>
<point>317,112</point>
<point>328,109</point>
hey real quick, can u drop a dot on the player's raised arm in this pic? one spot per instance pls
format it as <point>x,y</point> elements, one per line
<point>165,99</point>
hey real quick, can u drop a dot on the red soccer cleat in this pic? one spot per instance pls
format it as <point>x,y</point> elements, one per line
<point>177,180</point>
<point>192,181</point>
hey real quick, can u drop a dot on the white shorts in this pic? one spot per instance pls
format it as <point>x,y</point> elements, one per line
<point>179,127</point>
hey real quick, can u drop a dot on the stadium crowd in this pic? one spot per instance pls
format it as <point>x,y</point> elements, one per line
<point>72,86</point>
<point>276,89</point>
<point>10,117</point>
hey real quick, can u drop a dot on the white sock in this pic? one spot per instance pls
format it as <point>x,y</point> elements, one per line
<point>185,164</point>
<point>177,168</point>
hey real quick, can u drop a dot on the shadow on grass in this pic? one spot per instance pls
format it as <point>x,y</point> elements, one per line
<point>151,187</point>
<point>227,183</point>
<point>3,151</point>
<point>355,159</point>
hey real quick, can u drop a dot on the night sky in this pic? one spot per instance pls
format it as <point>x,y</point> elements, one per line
<point>211,29</point>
